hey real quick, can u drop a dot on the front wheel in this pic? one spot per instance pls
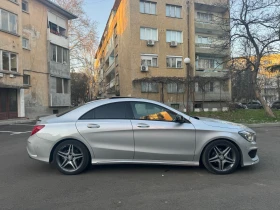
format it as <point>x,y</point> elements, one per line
<point>71,157</point>
<point>221,157</point>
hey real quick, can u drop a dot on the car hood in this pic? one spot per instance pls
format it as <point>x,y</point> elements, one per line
<point>223,124</point>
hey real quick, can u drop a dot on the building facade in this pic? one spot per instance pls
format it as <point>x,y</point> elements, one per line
<point>34,58</point>
<point>142,51</point>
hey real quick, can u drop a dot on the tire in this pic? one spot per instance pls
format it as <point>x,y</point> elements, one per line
<point>71,157</point>
<point>221,157</point>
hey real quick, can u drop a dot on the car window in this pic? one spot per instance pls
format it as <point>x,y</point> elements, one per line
<point>120,110</point>
<point>149,111</point>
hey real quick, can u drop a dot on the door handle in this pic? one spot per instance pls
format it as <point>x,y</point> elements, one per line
<point>143,126</point>
<point>93,126</point>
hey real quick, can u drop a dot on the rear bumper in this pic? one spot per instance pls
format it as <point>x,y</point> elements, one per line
<point>39,149</point>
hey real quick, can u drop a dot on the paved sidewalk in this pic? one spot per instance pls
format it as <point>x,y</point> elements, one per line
<point>16,121</point>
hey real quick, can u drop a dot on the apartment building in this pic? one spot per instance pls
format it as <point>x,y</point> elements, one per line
<point>144,44</point>
<point>34,58</point>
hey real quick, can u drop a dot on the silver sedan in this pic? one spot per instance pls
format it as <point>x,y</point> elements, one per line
<point>131,130</point>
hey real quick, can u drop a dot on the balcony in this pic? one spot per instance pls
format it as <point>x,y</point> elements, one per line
<point>222,8</point>
<point>213,27</point>
<point>219,50</point>
<point>212,96</point>
<point>111,84</point>
<point>110,68</point>
<point>212,73</point>
<point>58,39</point>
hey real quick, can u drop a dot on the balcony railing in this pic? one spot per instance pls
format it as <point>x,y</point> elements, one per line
<point>110,68</point>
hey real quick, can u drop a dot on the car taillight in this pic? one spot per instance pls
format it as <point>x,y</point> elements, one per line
<point>36,129</point>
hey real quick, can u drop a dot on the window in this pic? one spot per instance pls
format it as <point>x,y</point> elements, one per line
<point>204,40</point>
<point>148,7</point>
<point>205,17</point>
<point>24,6</point>
<point>55,29</point>
<point>174,62</point>
<point>8,61</point>
<point>109,111</point>
<point>148,111</point>
<point>175,88</point>
<point>62,85</point>
<point>26,79</point>
<point>25,43</point>
<point>148,34</point>
<point>173,11</point>
<point>59,85</point>
<point>149,60</point>
<point>206,63</point>
<point>16,1</point>
<point>59,54</point>
<point>174,36</point>
<point>201,87</point>
<point>8,21</point>
<point>149,87</point>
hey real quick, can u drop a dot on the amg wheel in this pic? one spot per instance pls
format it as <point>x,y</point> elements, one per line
<point>221,157</point>
<point>71,157</point>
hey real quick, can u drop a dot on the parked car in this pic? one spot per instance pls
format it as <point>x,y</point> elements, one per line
<point>237,105</point>
<point>275,105</point>
<point>131,130</point>
<point>254,105</point>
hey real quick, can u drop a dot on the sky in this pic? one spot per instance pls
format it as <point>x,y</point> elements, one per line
<point>99,11</point>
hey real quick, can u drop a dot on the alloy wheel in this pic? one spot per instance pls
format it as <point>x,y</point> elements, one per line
<point>70,158</point>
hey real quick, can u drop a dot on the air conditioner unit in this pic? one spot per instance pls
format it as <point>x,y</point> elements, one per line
<point>12,76</point>
<point>150,43</point>
<point>173,44</point>
<point>144,68</point>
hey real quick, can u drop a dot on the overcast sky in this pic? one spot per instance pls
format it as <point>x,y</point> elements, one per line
<point>99,10</point>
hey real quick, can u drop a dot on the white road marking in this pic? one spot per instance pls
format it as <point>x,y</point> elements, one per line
<point>14,132</point>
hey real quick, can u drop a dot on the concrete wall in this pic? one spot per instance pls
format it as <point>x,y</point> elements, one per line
<point>59,70</point>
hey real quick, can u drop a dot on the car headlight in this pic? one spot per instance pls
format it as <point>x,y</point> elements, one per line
<point>249,136</point>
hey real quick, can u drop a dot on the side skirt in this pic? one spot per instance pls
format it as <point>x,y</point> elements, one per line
<point>157,162</point>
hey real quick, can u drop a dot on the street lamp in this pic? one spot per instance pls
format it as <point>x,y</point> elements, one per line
<point>187,61</point>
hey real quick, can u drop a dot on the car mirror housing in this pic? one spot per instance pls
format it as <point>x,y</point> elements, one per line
<point>179,119</point>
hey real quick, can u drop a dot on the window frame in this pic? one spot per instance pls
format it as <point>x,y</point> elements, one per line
<point>62,85</point>
<point>27,41</point>
<point>176,61</point>
<point>144,4</point>
<point>10,63</point>
<point>9,25</point>
<point>208,19</point>
<point>150,87</point>
<point>181,41</point>
<point>149,57</point>
<point>28,78</point>
<point>170,6</point>
<point>146,39</point>
<point>27,6</point>
<point>179,88</point>
<point>63,50</point>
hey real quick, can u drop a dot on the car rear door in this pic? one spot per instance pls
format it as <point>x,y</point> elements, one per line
<point>108,131</point>
<point>158,137</point>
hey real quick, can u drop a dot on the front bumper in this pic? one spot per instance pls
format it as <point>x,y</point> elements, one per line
<point>249,154</point>
<point>39,149</point>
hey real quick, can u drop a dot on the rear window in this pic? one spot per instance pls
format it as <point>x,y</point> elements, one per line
<point>67,111</point>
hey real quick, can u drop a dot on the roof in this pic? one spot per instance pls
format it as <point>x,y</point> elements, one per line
<point>58,9</point>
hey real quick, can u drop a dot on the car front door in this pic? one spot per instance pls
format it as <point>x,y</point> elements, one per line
<point>158,137</point>
<point>108,131</point>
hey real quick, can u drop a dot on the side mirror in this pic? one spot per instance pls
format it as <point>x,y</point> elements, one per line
<point>179,119</point>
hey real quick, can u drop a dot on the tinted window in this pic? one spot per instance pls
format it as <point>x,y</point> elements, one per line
<point>148,111</point>
<point>109,111</point>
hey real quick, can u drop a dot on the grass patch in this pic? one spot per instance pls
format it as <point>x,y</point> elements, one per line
<point>246,116</point>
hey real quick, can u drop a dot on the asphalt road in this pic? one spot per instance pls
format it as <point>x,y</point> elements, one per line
<point>29,184</point>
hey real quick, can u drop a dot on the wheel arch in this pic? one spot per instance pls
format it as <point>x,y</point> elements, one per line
<point>226,139</point>
<point>63,140</point>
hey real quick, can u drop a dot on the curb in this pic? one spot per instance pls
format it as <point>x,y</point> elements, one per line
<point>263,125</point>
<point>16,122</point>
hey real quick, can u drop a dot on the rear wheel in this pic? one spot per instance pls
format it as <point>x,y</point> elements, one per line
<point>71,157</point>
<point>221,157</point>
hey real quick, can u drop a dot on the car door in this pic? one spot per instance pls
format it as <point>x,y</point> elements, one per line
<point>158,137</point>
<point>108,131</point>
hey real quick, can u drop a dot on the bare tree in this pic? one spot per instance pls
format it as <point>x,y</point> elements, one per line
<point>255,26</point>
<point>82,36</point>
